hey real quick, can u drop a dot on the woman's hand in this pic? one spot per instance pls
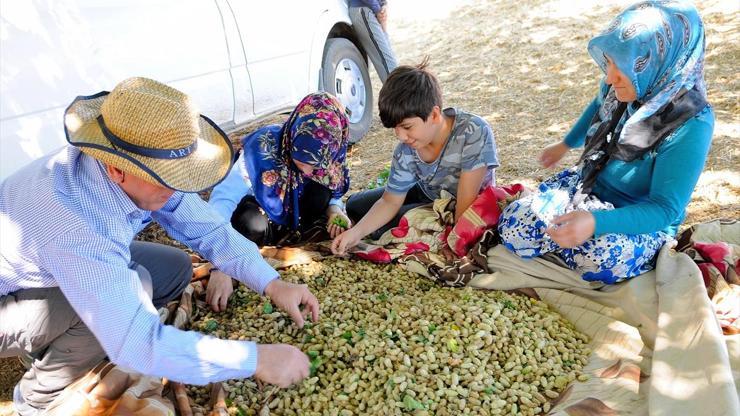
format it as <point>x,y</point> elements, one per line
<point>289,297</point>
<point>337,218</point>
<point>572,229</point>
<point>219,290</point>
<point>345,241</point>
<point>553,153</point>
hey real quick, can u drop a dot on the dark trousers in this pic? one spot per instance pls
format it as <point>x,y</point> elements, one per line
<point>42,324</point>
<point>251,221</point>
<point>360,203</point>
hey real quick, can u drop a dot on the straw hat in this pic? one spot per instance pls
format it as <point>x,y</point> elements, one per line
<point>153,131</point>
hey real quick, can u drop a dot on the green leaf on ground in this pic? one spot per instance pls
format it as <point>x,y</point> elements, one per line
<point>315,364</point>
<point>267,308</point>
<point>411,404</point>
<point>211,325</point>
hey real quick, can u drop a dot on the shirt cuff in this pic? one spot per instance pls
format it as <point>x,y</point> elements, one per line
<point>250,365</point>
<point>337,202</point>
<point>235,359</point>
<point>264,275</point>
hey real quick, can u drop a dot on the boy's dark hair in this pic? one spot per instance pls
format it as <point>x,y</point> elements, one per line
<point>409,91</point>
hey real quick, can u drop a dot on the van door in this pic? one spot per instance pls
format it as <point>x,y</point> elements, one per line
<point>277,37</point>
<point>54,51</point>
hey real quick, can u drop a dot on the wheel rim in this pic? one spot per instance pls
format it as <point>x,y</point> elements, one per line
<point>350,88</point>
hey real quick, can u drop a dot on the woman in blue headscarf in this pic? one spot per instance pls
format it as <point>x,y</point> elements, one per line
<point>646,135</point>
<point>290,177</point>
<point>287,184</point>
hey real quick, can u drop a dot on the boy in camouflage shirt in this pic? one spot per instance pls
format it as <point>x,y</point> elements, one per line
<point>440,149</point>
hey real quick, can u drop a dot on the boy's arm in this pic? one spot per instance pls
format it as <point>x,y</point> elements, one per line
<point>468,188</point>
<point>379,214</point>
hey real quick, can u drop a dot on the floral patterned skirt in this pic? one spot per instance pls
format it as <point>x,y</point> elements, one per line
<point>609,258</point>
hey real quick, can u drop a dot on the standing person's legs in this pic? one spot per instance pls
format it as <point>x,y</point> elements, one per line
<point>42,323</point>
<point>374,40</point>
<point>360,203</point>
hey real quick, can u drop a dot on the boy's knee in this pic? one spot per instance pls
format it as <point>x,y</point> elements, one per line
<point>354,208</point>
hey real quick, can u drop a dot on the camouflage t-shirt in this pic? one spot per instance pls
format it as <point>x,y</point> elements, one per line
<point>470,146</point>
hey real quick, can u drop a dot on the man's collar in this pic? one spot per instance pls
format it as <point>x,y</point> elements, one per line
<point>124,202</point>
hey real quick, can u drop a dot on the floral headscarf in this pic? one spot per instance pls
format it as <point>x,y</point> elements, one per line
<point>659,45</point>
<point>316,133</point>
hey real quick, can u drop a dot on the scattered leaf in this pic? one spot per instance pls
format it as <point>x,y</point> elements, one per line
<point>267,308</point>
<point>211,325</point>
<point>410,404</point>
<point>315,364</point>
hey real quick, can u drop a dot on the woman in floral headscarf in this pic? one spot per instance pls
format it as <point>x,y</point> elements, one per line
<point>646,135</point>
<point>288,177</point>
<point>288,182</point>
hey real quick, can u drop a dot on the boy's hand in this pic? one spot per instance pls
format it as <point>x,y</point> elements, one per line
<point>345,241</point>
<point>281,364</point>
<point>552,154</point>
<point>572,229</point>
<point>289,297</point>
<point>220,288</point>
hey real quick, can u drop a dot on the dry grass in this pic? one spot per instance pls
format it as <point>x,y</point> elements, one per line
<point>525,69</point>
<point>523,66</point>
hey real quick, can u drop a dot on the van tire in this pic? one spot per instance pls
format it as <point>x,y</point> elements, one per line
<point>347,82</point>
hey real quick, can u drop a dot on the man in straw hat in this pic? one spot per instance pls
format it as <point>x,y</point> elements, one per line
<point>75,287</point>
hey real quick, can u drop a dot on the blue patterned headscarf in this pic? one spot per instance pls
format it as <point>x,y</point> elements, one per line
<point>316,133</point>
<point>659,46</point>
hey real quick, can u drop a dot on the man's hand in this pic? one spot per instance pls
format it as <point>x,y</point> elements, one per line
<point>289,297</point>
<point>281,364</point>
<point>345,241</point>
<point>337,218</point>
<point>572,229</point>
<point>382,16</point>
<point>552,154</point>
<point>219,290</point>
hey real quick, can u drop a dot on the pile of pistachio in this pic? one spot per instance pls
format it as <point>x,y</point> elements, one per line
<point>389,342</point>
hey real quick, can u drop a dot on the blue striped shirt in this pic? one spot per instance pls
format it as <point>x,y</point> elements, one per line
<point>65,224</point>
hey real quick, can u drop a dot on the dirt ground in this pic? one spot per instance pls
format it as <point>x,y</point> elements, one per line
<point>523,66</point>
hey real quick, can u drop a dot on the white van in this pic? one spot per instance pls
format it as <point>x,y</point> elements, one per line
<point>240,60</point>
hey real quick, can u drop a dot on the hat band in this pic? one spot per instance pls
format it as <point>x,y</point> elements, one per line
<point>145,151</point>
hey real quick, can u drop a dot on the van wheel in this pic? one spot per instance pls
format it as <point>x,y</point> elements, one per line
<point>344,74</point>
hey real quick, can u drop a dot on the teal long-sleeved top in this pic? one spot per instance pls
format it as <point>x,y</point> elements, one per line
<point>650,193</point>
